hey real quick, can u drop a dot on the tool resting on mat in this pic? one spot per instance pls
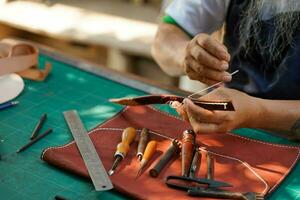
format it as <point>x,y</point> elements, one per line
<point>149,151</point>
<point>144,137</point>
<point>123,147</point>
<point>88,152</point>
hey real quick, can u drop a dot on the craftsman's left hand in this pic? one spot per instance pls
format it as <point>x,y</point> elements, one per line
<point>247,111</point>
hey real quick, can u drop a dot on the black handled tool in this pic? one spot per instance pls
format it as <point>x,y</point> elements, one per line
<point>183,183</point>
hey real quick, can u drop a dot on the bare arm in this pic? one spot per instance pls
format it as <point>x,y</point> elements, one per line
<point>202,58</point>
<point>169,47</point>
<point>281,115</point>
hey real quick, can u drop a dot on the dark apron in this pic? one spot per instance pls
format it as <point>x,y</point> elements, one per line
<point>281,79</point>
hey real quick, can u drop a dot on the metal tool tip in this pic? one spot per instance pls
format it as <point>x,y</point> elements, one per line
<point>139,157</point>
<point>111,172</point>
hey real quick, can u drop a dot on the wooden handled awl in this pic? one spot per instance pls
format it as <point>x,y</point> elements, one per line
<point>144,137</point>
<point>187,151</point>
<point>123,147</point>
<point>149,151</point>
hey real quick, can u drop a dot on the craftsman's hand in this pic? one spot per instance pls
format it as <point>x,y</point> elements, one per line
<point>206,60</point>
<point>247,112</point>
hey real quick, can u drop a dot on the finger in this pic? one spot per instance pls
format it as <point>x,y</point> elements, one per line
<point>201,114</point>
<point>195,76</point>
<point>216,75</point>
<point>192,63</point>
<point>215,48</point>
<point>204,128</point>
<point>180,109</point>
<point>201,55</point>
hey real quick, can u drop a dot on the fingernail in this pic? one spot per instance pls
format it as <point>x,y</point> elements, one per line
<point>227,77</point>
<point>225,56</point>
<point>225,66</point>
<point>186,101</point>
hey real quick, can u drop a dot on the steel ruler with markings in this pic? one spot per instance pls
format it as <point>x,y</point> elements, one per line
<point>88,152</point>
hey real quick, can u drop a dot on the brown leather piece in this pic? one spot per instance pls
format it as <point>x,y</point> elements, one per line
<point>167,99</point>
<point>247,164</point>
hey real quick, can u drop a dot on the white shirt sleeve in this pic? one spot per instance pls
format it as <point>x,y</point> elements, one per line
<point>199,16</point>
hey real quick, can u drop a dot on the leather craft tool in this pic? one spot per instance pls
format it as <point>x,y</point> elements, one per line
<point>38,126</point>
<point>144,137</point>
<point>173,150</point>
<point>195,163</point>
<point>149,151</point>
<point>187,151</point>
<point>188,183</point>
<point>88,152</point>
<point>210,163</point>
<point>123,147</point>
<point>214,192</point>
<point>35,140</point>
<point>8,105</point>
<point>209,88</point>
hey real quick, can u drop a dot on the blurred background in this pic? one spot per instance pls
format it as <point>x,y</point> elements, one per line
<point>114,33</point>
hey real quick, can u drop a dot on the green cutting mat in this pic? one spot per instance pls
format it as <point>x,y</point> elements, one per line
<point>25,176</point>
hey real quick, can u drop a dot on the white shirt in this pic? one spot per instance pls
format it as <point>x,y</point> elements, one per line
<point>207,16</point>
<point>199,16</point>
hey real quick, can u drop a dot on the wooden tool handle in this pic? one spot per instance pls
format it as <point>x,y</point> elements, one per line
<point>173,149</point>
<point>144,137</point>
<point>150,149</point>
<point>128,135</point>
<point>187,151</point>
<point>122,149</point>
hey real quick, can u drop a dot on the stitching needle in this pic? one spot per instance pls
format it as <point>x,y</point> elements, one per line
<point>212,86</point>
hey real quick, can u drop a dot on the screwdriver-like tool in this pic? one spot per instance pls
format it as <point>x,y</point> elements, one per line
<point>149,151</point>
<point>123,147</point>
<point>144,137</point>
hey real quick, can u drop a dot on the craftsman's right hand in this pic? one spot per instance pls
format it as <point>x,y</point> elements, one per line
<point>206,60</point>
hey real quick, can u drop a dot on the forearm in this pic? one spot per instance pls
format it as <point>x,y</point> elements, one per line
<point>279,115</point>
<point>169,48</point>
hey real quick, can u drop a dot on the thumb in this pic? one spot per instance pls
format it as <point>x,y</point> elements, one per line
<point>180,109</point>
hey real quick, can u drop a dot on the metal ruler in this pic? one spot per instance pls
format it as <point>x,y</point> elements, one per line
<point>88,152</point>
